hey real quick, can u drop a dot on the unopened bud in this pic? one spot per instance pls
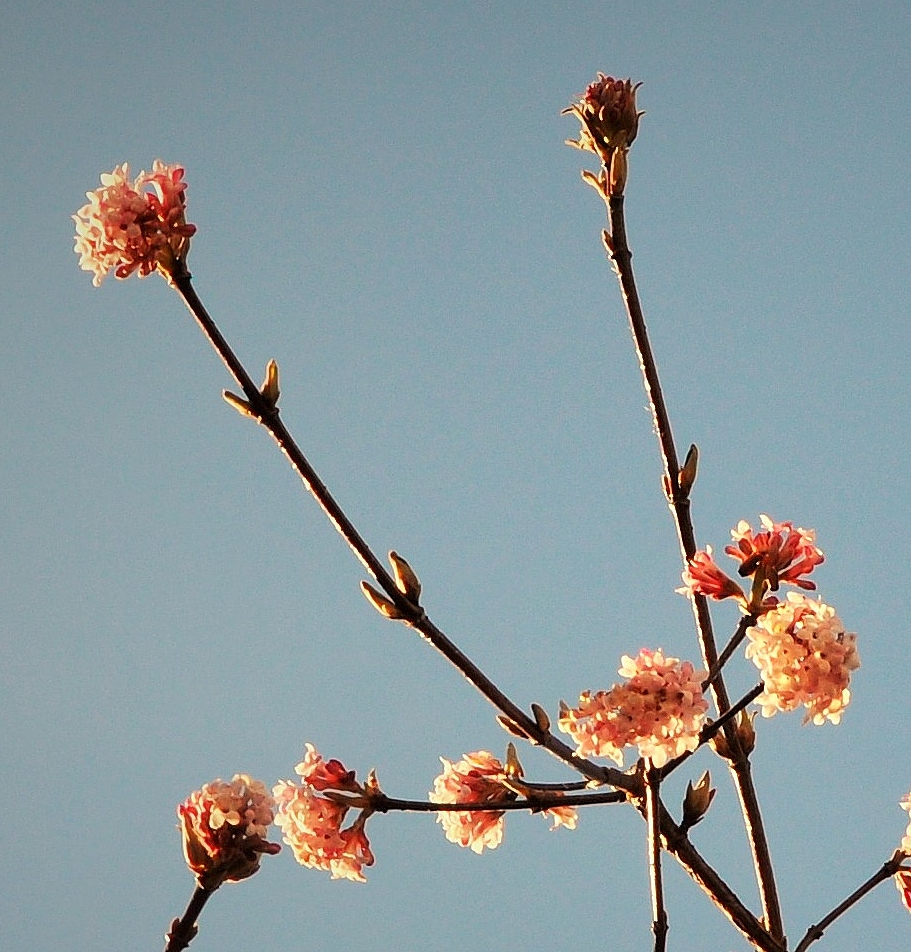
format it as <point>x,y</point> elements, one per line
<point>697,801</point>
<point>511,727</point>
<point>746,733</point>
<point>380,602</point>
<point>269,389</point>
<point>541,718</point>
<point>619,170</point>
<point>239,404</point>
<point>688,471</point>
<point>512,767</point>
<point>406,581</point>
<point>719,744</point>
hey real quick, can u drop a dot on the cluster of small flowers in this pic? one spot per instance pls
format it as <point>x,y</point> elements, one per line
<point>805,657</point>
<point>134,227</point>
<point>223,826</point>
<point>608,114</point>
<point>479,778</point>
<point>312,825</point>
<point>660,710</point>
<point>780,552</point>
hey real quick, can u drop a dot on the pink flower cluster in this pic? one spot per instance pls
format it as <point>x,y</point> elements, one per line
<point>779,552</point>
<point>478,778</point>
<point>660,710</point>
<point>608,115</point>
<point>137,226</point>
<point>224,829</point>
<point>805,657</point>
<point>312,825</point>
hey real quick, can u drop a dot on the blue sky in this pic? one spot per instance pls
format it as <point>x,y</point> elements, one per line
<point>385,206</point>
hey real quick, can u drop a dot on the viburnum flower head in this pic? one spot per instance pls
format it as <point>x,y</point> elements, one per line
<point>805,657</point>
<point>134,227</point>
<point>779,552</point>
<point>224,829</point>
<point>607,111</point>
<point>312,825</point>
<point>783,551</point>
<point>660,710</point>
<point>479,778</point>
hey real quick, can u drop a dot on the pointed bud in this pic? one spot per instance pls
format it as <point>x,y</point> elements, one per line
<point>269,389</point>
<point>239,404</point>
<point>512,767</point>
<point>697,801</point>
<point>380,602</point>
<point>719,744</point>
<point>746,733</point>
<point>619,170</point>
<point>688,472</point>
<point>541,718</point>
<point>511,727</point>
<point>372,784</point>
<point>406,581</point>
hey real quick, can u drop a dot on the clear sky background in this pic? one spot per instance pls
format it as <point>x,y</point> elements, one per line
<point>385,205</point>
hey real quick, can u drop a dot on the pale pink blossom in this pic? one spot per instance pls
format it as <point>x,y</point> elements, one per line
<point>223,826</point>
<point>805,657</point>
<point>479,778</point>
<point>660,710</point>
<point>782,551</point>
<point>312,824</point>
<point>476,778</point>
<point>134,227</point>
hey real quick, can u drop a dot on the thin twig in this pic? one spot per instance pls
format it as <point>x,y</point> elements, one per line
<point>886,871</point>
<point>653,823</point>
<point>267,415</point>
<point>739,634</point>
<point>184,929</point>
<point>678,500</point>
<point>380,803</point>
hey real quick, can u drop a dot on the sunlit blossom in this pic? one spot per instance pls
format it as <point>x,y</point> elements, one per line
<point>660,710</point>
<point>223,826</point>
<point>479,778</point>
<point>476,778</point>
<point>134,227</point>
<point>312,824</point>
<point>702,576</point>
<point>607,112</point>
<point>782,551</point>
<point>805,657</point>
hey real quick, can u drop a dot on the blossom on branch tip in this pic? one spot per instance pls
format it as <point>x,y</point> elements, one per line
<point>312,825</point>
<point>805,657</point>
<point>223,826</point>
<point>134,227</point>
<point>660,710</point>
<point>780,550</point>
<point>607,111</point>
